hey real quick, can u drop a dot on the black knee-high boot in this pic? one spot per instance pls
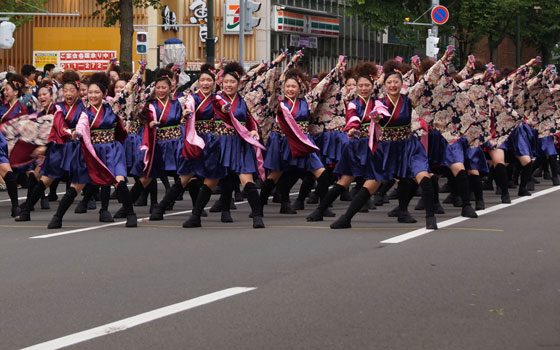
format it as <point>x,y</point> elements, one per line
<point>381,194</point>
<point>133,194</point>
<point>104,197</point>
<point>306,186</point>
<point>201,201</point>
<point>554,170</point>
<point>11,186</point>
<point>194,188</point>
<point>330,197</point>
<point>435,185</point>
<point>526,172</point>
<point>475,183</point>
<point>52,191</point>
<point>323,183</point>
<point>227,198</point>
<point>170,197</point>
<point>38,192</point>
<point>266,188</point>
<point>82,206</point>
<point>428,195</point>
<point>405,193</point>
<point>127,199</point>
<point>307,183</point>
<point>284,189</point>
<point>152,189</point>
<point>31,183</point>
<point>501,179</point>
<point>360,199</point>
<point>255,203</point>
<point>165,181</point>
<point>65,203</point>
<point>463,188</point>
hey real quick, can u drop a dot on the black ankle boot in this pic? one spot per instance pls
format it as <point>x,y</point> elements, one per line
<point>361,198</point>
<point>330,197</point>
<point>170,196</point>
<point>201,201</point>
<point>226,216</point>
<point>65,203</point>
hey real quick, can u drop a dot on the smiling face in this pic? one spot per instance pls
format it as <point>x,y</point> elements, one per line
<point>119,86</point>
<point>71,94</point>
<point>10,94</point>
<point>291,88</point>
<point>83,90</point>
<point>230,85</point>
<point>350,84</point>
<point>44,96</point>
<point>206,84</point>
<point>95,95</point>
<point>163,89</point>
<point>365,87</point>
<point>393,85</point>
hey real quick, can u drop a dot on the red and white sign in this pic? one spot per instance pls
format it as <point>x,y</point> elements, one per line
<point>86,61</point>
<point>440,14</point>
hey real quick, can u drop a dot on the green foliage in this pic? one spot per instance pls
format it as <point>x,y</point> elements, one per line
<point>381,14</point>
<point>470,21</point>
<point>18,6</point>
<point>112,9</point>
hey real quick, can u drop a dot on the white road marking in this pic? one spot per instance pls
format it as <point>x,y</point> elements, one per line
<point>138,319</point>
<point>453,221</point>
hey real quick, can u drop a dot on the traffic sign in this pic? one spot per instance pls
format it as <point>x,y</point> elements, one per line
<point>440,14</point>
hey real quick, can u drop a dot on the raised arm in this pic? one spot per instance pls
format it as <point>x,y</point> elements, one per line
<point>317,94</point>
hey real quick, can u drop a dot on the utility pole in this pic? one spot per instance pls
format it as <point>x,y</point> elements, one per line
<point>210,53</point>
<point>434,25</point>
<point>242,7</point>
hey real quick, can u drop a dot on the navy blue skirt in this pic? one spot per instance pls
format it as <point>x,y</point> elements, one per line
<point>3,150</point>
<point>331,144</point>
<point>237,155</point>
<point>397,160</point>
<point>166,157</point>
<point>545,147</point>
<point>437,146</point>
<point>521,142</point>
<point>279,157</point>
<point>132,148</point>
<point>472,158</point>
<point>208,164</point>
<point>111,154</point>
<point>58,159</point>
<point>354,156</point>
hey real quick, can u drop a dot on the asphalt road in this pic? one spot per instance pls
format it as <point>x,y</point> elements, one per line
<point>486,283</point>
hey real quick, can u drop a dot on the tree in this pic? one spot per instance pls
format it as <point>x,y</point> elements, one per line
<point>122,11</point>
<point>379,15</point>
<point>539,26</point>
<point>19,6</point>
<point>464,25</point>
